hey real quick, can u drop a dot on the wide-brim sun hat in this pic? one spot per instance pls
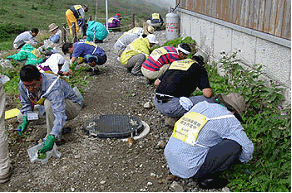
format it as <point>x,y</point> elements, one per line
<point>148,29</point>
<point>152,39</point>
<point>52,27</point>
<point>236,101</point>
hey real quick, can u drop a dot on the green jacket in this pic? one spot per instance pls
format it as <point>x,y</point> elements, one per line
<point>28,52</point>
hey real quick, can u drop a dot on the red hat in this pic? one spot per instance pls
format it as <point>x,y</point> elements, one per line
<point>118,14</point>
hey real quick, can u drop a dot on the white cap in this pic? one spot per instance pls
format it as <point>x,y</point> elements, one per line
<point>152,39</point>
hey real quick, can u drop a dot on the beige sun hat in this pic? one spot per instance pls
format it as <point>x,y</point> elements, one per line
<point>236,101</point>
<point>52,27</point>
<point>148,29</point>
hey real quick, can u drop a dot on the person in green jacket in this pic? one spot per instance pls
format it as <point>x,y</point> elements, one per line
<point>28,52</point>
<point>136,53</point>
<point>97,30</point>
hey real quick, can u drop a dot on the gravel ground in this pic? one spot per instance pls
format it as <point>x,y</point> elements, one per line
<point>92,164</point>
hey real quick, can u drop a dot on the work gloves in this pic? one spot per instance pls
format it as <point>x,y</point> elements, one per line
<point>48,144</point>
<point>21,128</point>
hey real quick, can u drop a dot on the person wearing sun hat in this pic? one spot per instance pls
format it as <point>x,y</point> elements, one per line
<point>207,140</point>
<point>136,53</point>
<point>54,28</point>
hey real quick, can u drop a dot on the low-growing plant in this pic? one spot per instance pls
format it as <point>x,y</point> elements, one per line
<point>266,123</point>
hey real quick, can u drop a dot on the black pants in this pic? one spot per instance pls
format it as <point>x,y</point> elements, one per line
<point>219,158</point>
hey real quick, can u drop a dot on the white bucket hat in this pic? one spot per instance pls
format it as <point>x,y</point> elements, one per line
<point>152,39</point>
<point>52,27</point>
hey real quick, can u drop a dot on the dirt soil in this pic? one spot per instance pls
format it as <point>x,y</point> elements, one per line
<point>89,163</point>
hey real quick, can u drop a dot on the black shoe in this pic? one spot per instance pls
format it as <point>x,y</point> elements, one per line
<point>89,70</point>
<point>150,81</point>
<point>95,72</point>
<point>214,183</point>
<point>98,41</point>
<point>138,74</point>
<point>129,70</point>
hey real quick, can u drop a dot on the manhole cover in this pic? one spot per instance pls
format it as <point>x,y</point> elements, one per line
<point>114,126</point>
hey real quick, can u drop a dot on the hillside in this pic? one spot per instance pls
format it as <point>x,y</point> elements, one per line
<point>21,15</point>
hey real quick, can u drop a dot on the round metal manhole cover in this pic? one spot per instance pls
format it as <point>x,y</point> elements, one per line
<point>114,126</point>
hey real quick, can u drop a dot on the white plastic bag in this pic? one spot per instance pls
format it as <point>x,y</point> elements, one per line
<point>33,153</point>
<point>186,103</point>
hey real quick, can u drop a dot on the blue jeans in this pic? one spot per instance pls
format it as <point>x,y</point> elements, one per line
<point>173,108</point>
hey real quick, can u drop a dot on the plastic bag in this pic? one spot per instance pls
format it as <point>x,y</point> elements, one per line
<point>33,153</point>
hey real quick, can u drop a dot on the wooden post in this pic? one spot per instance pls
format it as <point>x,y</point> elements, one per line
<point>133,20</point>
<point>74,32</point>
<point>63,38</point>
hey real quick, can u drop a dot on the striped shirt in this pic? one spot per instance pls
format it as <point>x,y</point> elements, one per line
<point>184,160</point>
<point>59,92</point>
<point>158,58</point>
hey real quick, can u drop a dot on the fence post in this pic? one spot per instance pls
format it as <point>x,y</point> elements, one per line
<point>63,38</point>
<point>133,20</point>
<point>74,32</point>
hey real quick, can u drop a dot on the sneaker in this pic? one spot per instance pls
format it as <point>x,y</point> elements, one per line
<point>95,72</point>
<point>98,41</point>
<point>6,177</point>
<point>170,121</point>
<point>212,183</point>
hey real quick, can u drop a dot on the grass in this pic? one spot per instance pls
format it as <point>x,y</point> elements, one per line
<point>21,15</point>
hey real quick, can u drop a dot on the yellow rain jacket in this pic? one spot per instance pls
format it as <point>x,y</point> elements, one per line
<point>138,46</point>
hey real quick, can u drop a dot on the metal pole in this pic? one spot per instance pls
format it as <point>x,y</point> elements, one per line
<point>95,18</point>
<point>106,14</point>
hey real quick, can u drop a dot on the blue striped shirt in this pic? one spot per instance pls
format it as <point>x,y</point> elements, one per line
<point>184,160</point>
<point>59,92</point>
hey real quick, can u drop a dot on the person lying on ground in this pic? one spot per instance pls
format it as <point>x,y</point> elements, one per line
<point>81,49</point>
<point>54,94</point>
<point>207,140</point>
<point>161,58</point>
<point>136,53</point>
<point>26,37</point>
<point>174,88</point>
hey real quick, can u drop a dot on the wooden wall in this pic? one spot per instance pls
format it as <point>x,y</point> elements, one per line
<point>269,16</point>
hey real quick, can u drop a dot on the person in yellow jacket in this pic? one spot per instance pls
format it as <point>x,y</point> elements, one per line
<point>136,53</point>
<point>76,13</point>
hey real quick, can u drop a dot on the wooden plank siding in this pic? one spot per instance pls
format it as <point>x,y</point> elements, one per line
<point>269,16</point>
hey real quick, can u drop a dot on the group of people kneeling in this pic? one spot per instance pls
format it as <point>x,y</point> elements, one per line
<point>208,136</point>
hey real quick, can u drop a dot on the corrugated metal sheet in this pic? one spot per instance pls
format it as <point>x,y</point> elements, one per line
<point>269,16</point>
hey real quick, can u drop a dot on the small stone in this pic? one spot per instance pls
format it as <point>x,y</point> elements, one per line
<point>176,187</point>
<point>102,182</point>
<point>149,183</point>
<point>148,105</point>
<point>225,189</point>
<point>72,189</point>
<point>77,156</point>
<point>152,174</point>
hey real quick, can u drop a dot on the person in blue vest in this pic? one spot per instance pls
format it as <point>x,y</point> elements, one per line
<point>207,140</point>
<point>81,49</point>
